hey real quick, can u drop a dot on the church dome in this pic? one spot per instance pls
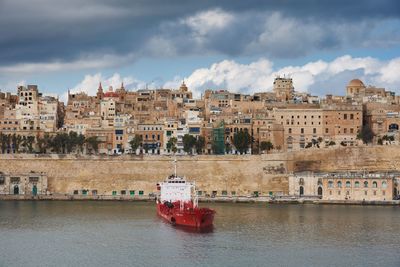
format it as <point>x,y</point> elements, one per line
<point>356,83</point>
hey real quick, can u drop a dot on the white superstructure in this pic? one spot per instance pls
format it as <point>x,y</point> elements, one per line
<point>176,188</point>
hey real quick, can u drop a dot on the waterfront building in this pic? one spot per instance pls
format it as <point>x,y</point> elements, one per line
<point>351,185</point>
<point>31,183</point>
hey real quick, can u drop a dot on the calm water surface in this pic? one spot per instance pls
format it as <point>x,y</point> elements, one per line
<point>124,233</point>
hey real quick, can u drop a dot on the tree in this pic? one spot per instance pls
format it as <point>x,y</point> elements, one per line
<point>27,143</point>
<point>44,142</point>
<point>3,140</point>
<point>93,143</point>
<point>188,143</point>
<point>200,144</point>
<point>16,141</point>
<point>228,148</point>
<point>331,143</point>
<point>135,143</point>
<point>366,134</point>
<point>266,145</point>
<point>171,144</point>
<point>242,140</point>
<point>60,142</point>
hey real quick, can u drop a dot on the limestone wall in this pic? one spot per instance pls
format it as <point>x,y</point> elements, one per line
<point>242,174</point>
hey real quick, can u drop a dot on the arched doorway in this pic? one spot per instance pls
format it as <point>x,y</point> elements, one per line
<point>319,191</point>
<point>301,190</point>
<point>16,190</point>
<point>34,190</point>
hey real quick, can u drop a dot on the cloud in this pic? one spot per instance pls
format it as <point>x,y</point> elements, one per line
<point>87,62</point>
<point>61,31</point>
<point>317,77</point>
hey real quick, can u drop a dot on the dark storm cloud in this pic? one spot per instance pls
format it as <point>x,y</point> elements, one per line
<point>66,30</point>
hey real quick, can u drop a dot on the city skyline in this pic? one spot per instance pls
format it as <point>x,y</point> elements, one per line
<point>224,45</point>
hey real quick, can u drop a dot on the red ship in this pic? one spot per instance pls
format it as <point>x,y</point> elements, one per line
<point>177,203</point>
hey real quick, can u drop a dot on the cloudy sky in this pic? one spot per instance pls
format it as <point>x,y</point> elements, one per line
<point>235,45</point>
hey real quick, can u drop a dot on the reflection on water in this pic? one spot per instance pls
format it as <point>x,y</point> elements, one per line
<point>125,233</point>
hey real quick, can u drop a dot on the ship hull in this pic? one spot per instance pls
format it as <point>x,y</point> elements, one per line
<point>187,215</point>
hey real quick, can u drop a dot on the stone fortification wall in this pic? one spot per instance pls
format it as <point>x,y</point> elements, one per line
<point>242,174</point>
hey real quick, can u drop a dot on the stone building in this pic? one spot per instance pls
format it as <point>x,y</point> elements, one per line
<point>368,186</point>
<point>23,183</point>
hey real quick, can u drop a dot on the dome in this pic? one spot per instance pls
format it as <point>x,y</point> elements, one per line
<point>356,83</point>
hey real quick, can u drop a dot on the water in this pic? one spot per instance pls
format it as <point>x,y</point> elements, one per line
<point>57,233</point>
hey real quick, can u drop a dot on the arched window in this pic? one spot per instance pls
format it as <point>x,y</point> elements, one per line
<point>348,184</point>
<point>365,184</point>
<point>330,184</point>
<point>339,184</point>
<point>374,184</point>
<point>319,181</point>
<point>384,185</point>
<point>357,184</point>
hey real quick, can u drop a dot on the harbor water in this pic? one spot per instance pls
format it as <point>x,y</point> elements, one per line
<point>112,233</point>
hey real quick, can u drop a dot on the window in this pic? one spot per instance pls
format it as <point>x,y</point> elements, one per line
<point>384,184</point>
<point>326,130</point>
<point>345,116</point>
<point>330,184</point>
<point>348,184</point>
<point>290,130</point>
<point>374,192</point>
<point>132,192</point>
<point>351,116</point>
<point>224,192</point>
<point>314,130</point>
<point>141,192</point>
<point>123,192</point>
<point>302,130</point>
<point>374,184</point>
<point>76,192</point>
<point>339,184</point>
<point>357,184</point>
<point>233,193</point>
<point>365,184</point>
<point>114,193</point>
<point>2,179</point>
<point>199,193</point>
<point>94,192</point>
<point>365,192</point>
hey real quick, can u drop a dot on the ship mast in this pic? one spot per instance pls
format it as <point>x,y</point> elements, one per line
<point>175,166</point>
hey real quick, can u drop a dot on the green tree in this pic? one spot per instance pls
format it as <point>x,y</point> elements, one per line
<point>44,143</point>
<point>27,143</point>
<point>189,142</point>
<point>16,141</point>
<point>3,139</point>
<point>366,134</point>
<point>228,148</point>
<point>200,144</point>
<point>60,142</point>
<point>93,143</point>
<point>135,143</point>
<point>266,145</point>
<point>242,141</point>
<point>171,144</point>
